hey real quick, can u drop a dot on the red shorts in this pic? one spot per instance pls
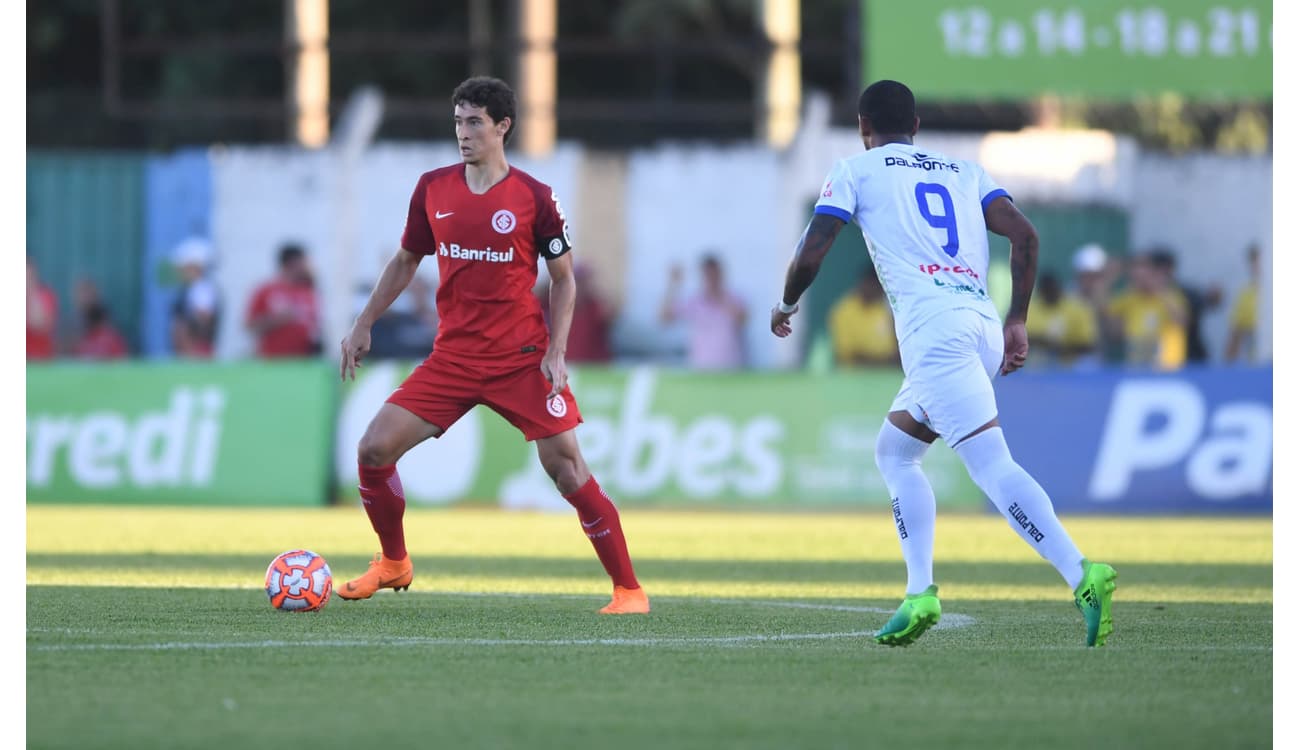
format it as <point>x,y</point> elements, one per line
<point>441,390</point>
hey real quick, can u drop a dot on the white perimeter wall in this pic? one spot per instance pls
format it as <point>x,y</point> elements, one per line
<point>349,217</point>
<point>1208,209</point>
<point>749,204</point>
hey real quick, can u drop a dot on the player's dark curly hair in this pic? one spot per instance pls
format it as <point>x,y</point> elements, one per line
<point>493,95</point>
<point>890,107</point>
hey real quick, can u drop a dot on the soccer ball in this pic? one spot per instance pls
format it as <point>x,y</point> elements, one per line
<point>299,581</point>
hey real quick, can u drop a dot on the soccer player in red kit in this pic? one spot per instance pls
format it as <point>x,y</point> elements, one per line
<point>487,223</point>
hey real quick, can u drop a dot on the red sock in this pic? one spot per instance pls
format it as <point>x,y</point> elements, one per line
<point>381,495</point>
<point>599,520</point>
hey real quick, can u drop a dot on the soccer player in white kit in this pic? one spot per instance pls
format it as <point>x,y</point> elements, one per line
<point>923,216</point>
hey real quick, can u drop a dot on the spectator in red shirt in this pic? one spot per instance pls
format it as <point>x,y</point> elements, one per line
<point>283,313</point>
<point>592,318</point>
<point>98,337</point>
<point>42,316</point>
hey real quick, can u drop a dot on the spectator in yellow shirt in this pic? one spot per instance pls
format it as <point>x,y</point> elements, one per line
<point>862,328</point>
<point>1095,272</point>
<point>1151,316</point>
<point>1199,301</point>
<point>1061,326</point>
<point>1245,315</point>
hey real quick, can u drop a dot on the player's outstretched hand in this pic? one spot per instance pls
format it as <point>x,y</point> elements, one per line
<point>1015,347</point>
<point>781,321</point>
<point>556,372</point>
<point>355,346</point>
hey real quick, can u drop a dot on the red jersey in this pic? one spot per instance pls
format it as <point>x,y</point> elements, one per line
<point>296,338</point>
<point>487,247</point>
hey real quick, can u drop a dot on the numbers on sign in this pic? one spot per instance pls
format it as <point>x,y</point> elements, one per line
<point>967,33</point>
<point>1249,31</point>
<point>1223,31</point>
<point>1128,31</point>
<point>1068,33</point>
<point>947,220</point>
<point>1074,34</point>
<point>1155,32</point>
<point>1221,23</point>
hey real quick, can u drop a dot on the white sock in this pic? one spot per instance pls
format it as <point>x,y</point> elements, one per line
<point>898,456</point>
<point>1022,500</point>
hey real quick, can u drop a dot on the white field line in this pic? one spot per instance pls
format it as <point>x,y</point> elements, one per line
<point>390,642</point>
<point>949,621</point>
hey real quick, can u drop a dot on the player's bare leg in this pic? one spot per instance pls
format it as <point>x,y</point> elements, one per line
<point>562,459</point>
<point>392,433</point>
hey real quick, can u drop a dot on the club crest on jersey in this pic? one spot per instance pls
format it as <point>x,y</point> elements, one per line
<point>557,406</point>
<point>503,221</point>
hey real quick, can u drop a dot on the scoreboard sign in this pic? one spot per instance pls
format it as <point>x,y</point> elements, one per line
<point>1101,49</point>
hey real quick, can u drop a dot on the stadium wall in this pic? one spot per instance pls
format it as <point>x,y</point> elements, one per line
<point>178,195</point>
<point>677,201</point>
<point>85,220</point>
<point>259,433</point>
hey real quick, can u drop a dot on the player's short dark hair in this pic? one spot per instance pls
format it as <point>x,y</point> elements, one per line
<point>289,252</point>
<point>890,107</point>
<point>492,94</point>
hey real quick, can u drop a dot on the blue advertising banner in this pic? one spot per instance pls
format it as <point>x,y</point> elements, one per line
<point>1195,441</point>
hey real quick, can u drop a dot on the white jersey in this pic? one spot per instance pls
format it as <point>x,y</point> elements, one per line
<point>922,216</point>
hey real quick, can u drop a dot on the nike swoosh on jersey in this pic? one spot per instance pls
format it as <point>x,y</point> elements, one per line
<point>441,215</point>
<point>586,525</point>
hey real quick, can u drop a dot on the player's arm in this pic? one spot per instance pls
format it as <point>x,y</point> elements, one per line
<point>397,274</point>
<point>553,244</point>
<point>816,241</point>
<point>1003,218</point>
<point>563,294</point>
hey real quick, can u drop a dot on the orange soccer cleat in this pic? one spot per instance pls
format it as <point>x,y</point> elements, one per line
<point>627,602</point>
<point>383,574</point>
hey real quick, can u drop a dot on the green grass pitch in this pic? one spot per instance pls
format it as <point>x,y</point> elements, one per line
<point>148,628</point>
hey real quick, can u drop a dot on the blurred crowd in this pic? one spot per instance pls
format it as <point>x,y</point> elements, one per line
<point>93,335</point>
<point>1132,311</point>
<point>282,315</point>
<point>1137,312</point>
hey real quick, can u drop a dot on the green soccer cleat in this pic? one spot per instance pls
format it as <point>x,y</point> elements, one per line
<point>915,615</point>
<point>1093,600</point>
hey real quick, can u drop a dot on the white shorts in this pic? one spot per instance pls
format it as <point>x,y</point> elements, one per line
<point>949,364</point>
